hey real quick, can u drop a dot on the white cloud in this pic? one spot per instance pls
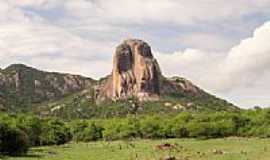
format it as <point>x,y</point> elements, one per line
<point>199,66</point>
<point>206,41</point>
<point>169,11</point>
<point>93,69</point>
<point>36,39</point>
<point>9,14</point>
<point>26,37</point>
<point>40,4</point>
<point>44,46</point>
<point>245,69</point>
<point>251,58</point>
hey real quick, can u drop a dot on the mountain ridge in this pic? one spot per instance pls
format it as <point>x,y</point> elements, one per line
<point>20,83</point>
<point>86,95</point>
<point>136,83</point>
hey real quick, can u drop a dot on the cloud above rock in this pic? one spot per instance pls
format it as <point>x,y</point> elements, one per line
<point>245,67</point>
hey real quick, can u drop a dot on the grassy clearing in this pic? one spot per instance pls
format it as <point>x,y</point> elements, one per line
<point>183,149</point>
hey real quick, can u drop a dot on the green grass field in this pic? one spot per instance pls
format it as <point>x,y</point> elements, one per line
<point>181,149</point>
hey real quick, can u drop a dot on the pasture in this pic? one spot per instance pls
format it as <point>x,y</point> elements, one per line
<point>168,149</point>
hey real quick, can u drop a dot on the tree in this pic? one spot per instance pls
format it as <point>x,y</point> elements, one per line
<point>55,132</point>
<point>84,131</point>
<point>12,140</point>
<point>32,126</point>
<point>151,127</point>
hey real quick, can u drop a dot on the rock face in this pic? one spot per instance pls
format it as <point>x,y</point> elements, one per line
<point>23,85</point>
<point>179,85</point>
<point>135,73</point>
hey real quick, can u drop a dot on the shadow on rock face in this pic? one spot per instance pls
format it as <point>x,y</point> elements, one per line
<point>123,58</point>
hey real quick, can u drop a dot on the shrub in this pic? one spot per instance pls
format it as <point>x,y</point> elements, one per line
<point>112,129</point>
<point>83,131</point>
<point>32,126</point>
<point>92,133</point>
<point>198,129</point>
<point>179,125</point>
<point>77,129</point>
<point>130,128</point>
<point>55,132</point>
<point>13,141</point>
<point>151,127</point>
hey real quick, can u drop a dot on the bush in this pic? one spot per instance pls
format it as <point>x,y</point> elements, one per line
<point>151,127</point>
<point>13,141</point>
<point>179,125</point>
<point>55,132</point>
<point>112,129</point>
<point>124,128</point>
<point>32,126</point>
<point>92,133</point>
<point>130,128</point>
<point>85,132</point>
<point>77,129</point>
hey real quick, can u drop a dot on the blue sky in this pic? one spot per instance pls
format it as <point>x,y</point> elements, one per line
<point>222,46</point>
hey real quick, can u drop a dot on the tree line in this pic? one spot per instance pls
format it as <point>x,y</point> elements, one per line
<point>19,132</point>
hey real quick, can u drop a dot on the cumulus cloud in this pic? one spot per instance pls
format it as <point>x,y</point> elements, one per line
<point>199,66</point>
<point>244,69</point>
<point>251,58</point>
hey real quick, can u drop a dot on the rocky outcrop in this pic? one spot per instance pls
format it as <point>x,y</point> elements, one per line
<point>179,85</point>
<point>21,84</point>
<point>135,73</point>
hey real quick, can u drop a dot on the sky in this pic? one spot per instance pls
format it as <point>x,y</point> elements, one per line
<point>223,46</point>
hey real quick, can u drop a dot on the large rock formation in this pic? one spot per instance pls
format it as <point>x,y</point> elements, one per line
<point>135,73</point>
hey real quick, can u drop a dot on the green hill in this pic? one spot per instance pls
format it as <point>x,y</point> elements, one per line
<point>28,89</point>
